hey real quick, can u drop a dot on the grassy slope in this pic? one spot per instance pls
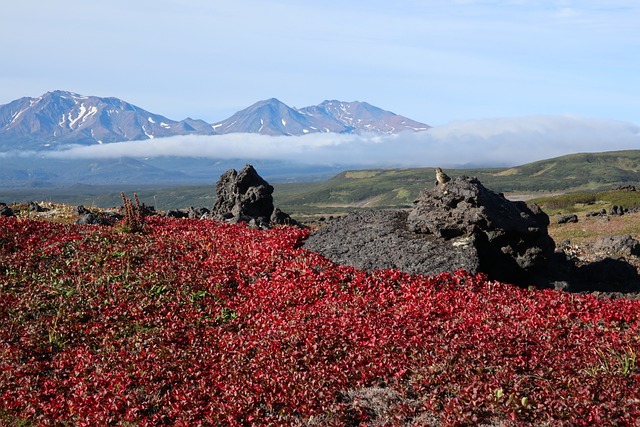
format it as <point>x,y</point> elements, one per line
<point>399,187</point>
<point>380,188</point>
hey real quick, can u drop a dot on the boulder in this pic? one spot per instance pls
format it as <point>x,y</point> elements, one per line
<point>245,197</point>
<point>601,212</point>
<point>6,210</point>
<point>616,210</point>
<point>460,224</point>
<point>625,245</point>
<point>81,210</point>
<point>35,207</point>
<point>605,275</point>
<point>92,219</point>
<point>565,219</point>
<point>177,213</point>
<point>456,225</point>
<point>379,239</point>
<point>510,238</point>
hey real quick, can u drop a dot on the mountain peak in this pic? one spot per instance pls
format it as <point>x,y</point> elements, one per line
<point>62,117</point>
<point>364,117</point>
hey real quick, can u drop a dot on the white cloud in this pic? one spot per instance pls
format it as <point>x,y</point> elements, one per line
<point>491,142</point>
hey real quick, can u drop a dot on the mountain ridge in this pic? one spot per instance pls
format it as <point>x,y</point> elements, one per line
<point>60,118</point>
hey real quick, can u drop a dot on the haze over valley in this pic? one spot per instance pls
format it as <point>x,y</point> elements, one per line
<point>64,138</point>
<point>307,90</point>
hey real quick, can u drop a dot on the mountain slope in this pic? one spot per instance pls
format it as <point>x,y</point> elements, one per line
<point>57,118</point>
<point>372,188</point>
<point>61,118</point>
<point>273,117</point>
<point>364,117</point>
<point>399,187</point>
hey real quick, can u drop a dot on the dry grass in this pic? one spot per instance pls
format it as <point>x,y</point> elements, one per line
<point>588,229</point>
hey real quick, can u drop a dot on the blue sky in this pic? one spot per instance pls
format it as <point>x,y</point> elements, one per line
<point>438,62</point>
<point>434,61</point>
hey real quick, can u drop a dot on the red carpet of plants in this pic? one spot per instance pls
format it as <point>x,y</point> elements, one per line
<point>195,322</point>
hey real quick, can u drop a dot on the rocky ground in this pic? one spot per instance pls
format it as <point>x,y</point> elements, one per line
<point>466,226</point>
<point>601,247</point>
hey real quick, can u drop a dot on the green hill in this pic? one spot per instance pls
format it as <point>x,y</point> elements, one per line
<point>379,188</point>
<point>382,188</point>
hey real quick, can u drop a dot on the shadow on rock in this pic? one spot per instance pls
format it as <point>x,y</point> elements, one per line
<point>460,224</point>
<point>606,275</point>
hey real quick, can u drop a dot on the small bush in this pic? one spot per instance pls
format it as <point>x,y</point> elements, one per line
<point>133,221</point>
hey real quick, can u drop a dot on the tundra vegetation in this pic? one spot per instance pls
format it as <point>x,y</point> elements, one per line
<point>199,322</point>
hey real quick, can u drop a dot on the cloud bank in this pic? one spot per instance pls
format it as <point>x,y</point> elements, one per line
<point>487,143</point>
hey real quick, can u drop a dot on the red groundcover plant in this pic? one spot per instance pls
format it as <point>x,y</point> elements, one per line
<point>196,322</point>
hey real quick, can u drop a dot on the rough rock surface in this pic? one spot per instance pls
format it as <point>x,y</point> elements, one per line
<point>462,225</point>
<point>510,238</point>
<point>625,245</point>
<point>566,219</point>
<point>6,210</point>
<point>379,239</point>
<point>35,207</point>
<point>92,219</point>
<point>246,197</point>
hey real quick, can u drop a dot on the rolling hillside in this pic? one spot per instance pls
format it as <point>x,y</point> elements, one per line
<point>382,188</point>
<point>378,188</point>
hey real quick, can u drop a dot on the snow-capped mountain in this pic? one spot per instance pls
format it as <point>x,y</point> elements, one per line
<point>272,117</point>
<point>363,117</point>
<point>60,117</point>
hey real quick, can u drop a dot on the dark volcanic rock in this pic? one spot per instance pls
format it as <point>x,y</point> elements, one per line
<point>81,210</point>
<point>606,275</point>
<point>380,239</point>
<point>177,213</point>
<point>626,187</point>
<point>457,225</point>
<point>463,225</point>
<point>91,219</point>
<point>279,217</point>
<point>510,238</point>
<point>198,212</point>
<point>35,207</point>
<point>6,210</point>
<point>565,219</point>
<point>625,245</point>
<point>616,210</point>
<point>601,212</point>
<point>245,197</point>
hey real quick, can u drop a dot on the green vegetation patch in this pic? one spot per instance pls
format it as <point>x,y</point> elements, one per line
<point>360,174</point>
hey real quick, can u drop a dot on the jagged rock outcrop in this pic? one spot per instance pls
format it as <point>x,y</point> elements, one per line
<point>246,197</point>
<point>6,210</point>
<point>511,237</point>
<point>461,224</point>
<point>457,225</point>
